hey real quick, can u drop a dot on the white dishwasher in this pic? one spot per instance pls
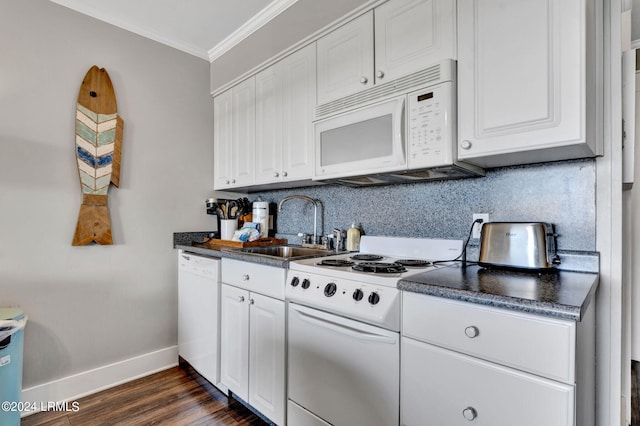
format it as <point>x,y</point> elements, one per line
<point>199,314</point>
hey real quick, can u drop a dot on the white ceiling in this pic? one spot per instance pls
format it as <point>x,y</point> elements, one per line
<point>203,28</point>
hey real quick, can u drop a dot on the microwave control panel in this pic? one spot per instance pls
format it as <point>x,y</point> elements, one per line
<point>430,122</point>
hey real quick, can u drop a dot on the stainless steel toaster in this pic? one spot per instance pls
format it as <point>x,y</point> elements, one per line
<point>527,245</point>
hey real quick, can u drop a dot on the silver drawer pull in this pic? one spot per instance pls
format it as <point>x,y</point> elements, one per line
<point>241,299</point>
<point>470,413</point>
<point>251,301</point>
<point>245,277</point>
<point>472,331</point>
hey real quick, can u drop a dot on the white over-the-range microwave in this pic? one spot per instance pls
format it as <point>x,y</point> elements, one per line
<point>400,131</point>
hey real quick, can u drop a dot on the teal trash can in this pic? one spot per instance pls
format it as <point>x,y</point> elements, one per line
<point>12,322</point>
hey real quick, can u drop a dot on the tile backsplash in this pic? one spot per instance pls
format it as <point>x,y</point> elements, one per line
<point>561,193</point>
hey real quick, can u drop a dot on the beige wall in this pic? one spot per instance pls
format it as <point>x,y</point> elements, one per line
<point>94,305</point>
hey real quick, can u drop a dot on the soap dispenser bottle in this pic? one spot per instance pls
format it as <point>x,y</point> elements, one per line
<point>353,238</point>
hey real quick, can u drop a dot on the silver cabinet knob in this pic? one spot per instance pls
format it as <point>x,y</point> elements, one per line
<point>276,174</point>
<point>380,74</point>
<point>251,301</point>
<point>241,299</point>
<point>364,80</point>
<point>465,144</point>
<point>470,413</point>
<point>285,174</point>
<point>245,277</point>
<point>472,331</point>
<point>233,181</point>
<point>227,182</point>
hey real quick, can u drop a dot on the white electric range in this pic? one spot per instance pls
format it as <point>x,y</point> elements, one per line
<point>343,330</point>
<point>362,285</point>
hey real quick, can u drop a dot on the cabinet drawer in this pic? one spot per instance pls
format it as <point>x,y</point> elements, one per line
<point>267,280</point>
<point>449,388</point>
<point>540,345</point>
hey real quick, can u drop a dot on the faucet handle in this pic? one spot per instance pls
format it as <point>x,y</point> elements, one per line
<point>305,237</point>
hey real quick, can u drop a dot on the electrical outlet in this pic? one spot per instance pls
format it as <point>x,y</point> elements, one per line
<point>478,226</point>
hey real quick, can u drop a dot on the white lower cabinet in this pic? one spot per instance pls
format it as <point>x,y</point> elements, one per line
<point>443,387</point>
<point>252,339</point>
<point>463,363</point>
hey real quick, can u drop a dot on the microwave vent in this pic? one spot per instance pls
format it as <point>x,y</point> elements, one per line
<point>430,76</point>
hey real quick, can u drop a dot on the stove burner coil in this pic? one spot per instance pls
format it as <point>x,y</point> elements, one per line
<point>367,257</point>
<point>414,263</point>
<point>379,267</point>
<point>335,262</point>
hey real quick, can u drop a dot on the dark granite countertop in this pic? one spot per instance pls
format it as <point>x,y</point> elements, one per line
<point>206,250</point>
<point>560,294</point>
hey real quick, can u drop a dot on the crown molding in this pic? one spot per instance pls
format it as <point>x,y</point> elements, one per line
<point>258,21</point>
<point>81,7</point>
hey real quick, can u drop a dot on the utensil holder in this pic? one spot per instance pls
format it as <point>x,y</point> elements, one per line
<point>227,228</point>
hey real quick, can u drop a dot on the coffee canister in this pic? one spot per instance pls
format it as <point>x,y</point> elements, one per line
<point>261,215</point>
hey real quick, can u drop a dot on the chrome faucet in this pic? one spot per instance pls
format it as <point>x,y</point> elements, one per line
<point>315,213</point>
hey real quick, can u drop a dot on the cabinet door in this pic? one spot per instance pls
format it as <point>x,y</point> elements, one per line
<point>222,140</point>
<point>521,74</point>
<point>411,35</point>
<point>345,59</point>
<point>267,357</point>
<point>299,101</point>
<point>243,133</point>
<point>234,340</point>
<point>268,145</point>
<point>449,388</point>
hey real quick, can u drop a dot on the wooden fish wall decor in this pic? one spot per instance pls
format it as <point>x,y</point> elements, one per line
<point>98,153</point>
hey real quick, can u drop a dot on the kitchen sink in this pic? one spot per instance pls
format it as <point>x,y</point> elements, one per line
<point>286,252</point>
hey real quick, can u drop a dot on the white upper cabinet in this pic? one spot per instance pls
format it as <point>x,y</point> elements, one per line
<point>345,59</point>
<point>244,115</point>
<point>410,35</point>
<point>285,101</point>
<point>404,36</point>
<point>222,140</point>
<point>526,87</point>
<point>234,136</point>
<point>268,125</point>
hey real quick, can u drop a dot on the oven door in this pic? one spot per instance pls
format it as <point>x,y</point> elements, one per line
<point>344,372</point>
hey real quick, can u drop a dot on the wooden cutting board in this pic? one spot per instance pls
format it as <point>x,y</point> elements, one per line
<point>216,243</point>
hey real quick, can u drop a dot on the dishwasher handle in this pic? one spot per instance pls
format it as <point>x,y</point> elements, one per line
<point>344,328</point>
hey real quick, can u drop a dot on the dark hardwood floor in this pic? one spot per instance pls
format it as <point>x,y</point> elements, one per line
<point>178,396</point>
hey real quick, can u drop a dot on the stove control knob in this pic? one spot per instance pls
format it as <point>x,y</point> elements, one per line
<point>374,298</point>
<point>295,281</point>
<point>358,295</point>
<point>306,283</point>
<point>330,289</point>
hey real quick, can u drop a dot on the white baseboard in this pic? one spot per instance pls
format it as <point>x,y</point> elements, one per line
<point>88,382</point>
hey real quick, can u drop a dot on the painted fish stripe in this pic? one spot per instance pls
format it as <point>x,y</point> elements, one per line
<point>88,181</point>
<point>84,167</point>
<point>104,171</point>
<point>87,146</point>
<point>85,133</point>
<point>86,157</point>
<point>105,149</point>
<point>107,125</point>
<point>86,111</point>
<point>106,137</point>
<point>104,160</point>
<point>103,182</point>
<point>106,117</point>
<point>86,120</point>
<point>91,191</point>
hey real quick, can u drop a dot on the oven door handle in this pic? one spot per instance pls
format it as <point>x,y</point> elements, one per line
<point>345,329</point>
